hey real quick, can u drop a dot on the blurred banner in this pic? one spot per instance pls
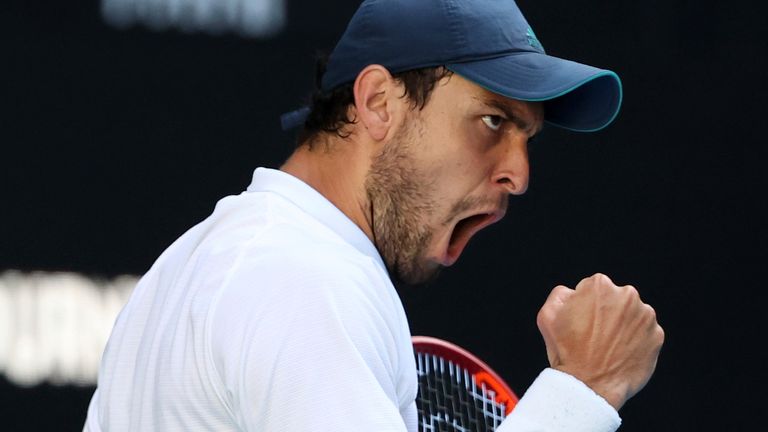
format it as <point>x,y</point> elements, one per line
<point>54,326</point>
<point>249,18</point>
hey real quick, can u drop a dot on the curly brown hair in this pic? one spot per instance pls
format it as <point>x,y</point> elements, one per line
<point>329,111</point>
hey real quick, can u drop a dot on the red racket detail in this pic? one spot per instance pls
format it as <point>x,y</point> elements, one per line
<point>457,391</point>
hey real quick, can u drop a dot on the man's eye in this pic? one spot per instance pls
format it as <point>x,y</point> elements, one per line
<point>493,121</point>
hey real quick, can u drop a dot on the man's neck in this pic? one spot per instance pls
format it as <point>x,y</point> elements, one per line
<point>338,171</point>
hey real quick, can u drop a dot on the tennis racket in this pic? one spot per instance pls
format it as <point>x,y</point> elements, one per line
<point>457,391</point>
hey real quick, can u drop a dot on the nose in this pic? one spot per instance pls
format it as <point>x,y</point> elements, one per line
<point>513,170</point>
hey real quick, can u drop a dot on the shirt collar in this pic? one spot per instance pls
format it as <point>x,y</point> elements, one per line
<point>315,204</point>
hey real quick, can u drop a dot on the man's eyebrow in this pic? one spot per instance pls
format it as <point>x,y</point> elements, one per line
<point>511,114</point>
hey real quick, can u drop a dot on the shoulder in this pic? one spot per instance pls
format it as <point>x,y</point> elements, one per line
<point>317,278</point>
<point>272,244</point>
<point>290,305</point>
<point>299,282</point>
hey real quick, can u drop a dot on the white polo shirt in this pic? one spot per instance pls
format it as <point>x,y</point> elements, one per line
<point>276,313</point>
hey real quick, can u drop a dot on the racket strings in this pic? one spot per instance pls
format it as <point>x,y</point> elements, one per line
<point>449,399</point>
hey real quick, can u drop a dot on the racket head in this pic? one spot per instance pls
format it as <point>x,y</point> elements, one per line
<point>458,389</point>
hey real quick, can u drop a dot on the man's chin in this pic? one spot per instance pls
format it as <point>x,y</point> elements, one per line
<point>416,275</point>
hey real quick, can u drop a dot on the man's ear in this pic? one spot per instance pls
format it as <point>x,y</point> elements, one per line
<point>373,100</point>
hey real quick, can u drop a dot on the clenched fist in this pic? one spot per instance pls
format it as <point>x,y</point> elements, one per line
<point>602,334</point>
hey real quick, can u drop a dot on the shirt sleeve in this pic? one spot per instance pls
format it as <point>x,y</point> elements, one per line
<point>307,350</point>
<point>558,402</point>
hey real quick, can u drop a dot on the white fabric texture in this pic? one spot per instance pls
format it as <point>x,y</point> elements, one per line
<point>276,313</point>
<point>558,402</point>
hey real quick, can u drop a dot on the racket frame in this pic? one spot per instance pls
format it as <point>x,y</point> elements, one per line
<point>482,373</point>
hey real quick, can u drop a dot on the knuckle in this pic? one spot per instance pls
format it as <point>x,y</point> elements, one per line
<point>650,311</point>
<point>602,281</point>
<point>591,283</point>
<point>543,312</point>
<point>544,317</point>
<point>632,292</point>
<point>559,294</point>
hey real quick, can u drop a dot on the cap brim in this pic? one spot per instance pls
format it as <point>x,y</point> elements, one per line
<point>576,96</point>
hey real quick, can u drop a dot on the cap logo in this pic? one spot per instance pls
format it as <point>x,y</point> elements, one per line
<point>533,40</point>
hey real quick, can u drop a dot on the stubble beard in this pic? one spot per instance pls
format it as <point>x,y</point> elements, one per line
<point>400,200</point>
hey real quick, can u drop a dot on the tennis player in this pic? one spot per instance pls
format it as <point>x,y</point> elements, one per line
<point>278,312</point>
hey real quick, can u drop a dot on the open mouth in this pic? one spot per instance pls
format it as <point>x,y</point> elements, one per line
<point>463,231</point>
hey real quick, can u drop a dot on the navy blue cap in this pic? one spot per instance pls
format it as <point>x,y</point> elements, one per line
<point>488,42</point>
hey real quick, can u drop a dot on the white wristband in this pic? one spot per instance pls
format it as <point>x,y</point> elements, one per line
<point>555,402</point>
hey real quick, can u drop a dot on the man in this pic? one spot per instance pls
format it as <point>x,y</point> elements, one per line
<point>277,313</point>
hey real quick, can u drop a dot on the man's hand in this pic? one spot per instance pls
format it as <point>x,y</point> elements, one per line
<point>602,334</point>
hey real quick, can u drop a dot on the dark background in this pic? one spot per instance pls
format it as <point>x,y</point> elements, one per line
<point>116,142</point>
